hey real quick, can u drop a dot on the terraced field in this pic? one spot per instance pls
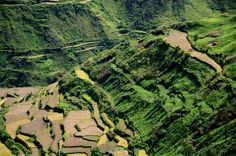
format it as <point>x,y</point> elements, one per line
<point>4,150</point>
<point>117,77</point>
<point>40,123</point>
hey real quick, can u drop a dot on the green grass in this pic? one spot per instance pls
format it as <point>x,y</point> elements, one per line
<point>164,102</point>
<point>224,26</point>
<point>176,104</point>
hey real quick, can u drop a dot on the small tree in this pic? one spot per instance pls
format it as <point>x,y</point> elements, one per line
<point>95,152</point>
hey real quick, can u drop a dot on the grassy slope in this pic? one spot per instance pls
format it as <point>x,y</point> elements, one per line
<point>220,30</point>
<point>36,29</point>
<point>178,104</point>
<point>151,13</point>
<point>46,26</point>
<point>44,29</point>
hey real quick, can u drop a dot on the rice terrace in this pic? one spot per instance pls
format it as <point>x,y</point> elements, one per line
<point>117,78</point>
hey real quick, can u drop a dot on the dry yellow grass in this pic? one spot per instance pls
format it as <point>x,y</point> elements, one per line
<point>142,153</point>
<point>179,39</point>
<point>121,125</point>
<point>55,116</point>
<point>108,121</point>
<point>25,139</point>
<point>82,75</point>
<point>2,102</point>
<point>103,139</point>
<point>121,141</point>
<point>35,56</point>
<point>84,1</point>
<point>80,44</point>
<point>4,151</point>
<point>12,127</point>
<point>120,153</point>
<point>204,58</point>
<point>106,130</point>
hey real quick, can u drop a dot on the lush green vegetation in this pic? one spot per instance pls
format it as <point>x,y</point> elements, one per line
<point>216,36</point>
<point>35,28</point>
<point>31,30</point>
<point>176,104</point>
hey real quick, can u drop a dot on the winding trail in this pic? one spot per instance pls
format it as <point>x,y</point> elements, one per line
<point>80,44</point>
<point>179,39</point>
<point>50,3</point>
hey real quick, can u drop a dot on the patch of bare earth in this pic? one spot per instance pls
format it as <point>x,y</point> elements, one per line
<point>58,136</point>
<point>79,150</point>
<point>16,116</point>
<point>44,138</point>
<point>33,127</point>
<point>19,108</point>
<point>78,142</point>
<point>86,124</point>
<point>9,101</point>
<point>12,127</point>
<point>3,92</point>
<point>53,101</point>
<point>179,39</point>
<point>91,137</point>
<point>40,114</point>
<point>52,87</point>
<point>72,119</point>
<point>39,129</point>
<point>91,131</point>
<point>109,146</point>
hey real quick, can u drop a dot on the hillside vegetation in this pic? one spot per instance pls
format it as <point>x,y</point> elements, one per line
<point>127,77</point>
<point>43,28</point>
<point>178,104</point>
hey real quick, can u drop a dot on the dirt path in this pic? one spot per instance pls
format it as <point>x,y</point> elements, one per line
<point>88,49</point>
<point>85,1</point>
<point>65,47</point>
<point>35,56</point>
<point>56,2</point>
<point>179,39</point>
<point>79,45</point>
<point>50,3</point>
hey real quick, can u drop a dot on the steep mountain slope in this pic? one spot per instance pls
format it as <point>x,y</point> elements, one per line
<point>178,104</point>
<point>132,77</point>
<point>41,26</point>
<point>55,29</point>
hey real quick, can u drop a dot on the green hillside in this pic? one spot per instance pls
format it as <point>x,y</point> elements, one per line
<point>127,77</point>
<point>178,104</point>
